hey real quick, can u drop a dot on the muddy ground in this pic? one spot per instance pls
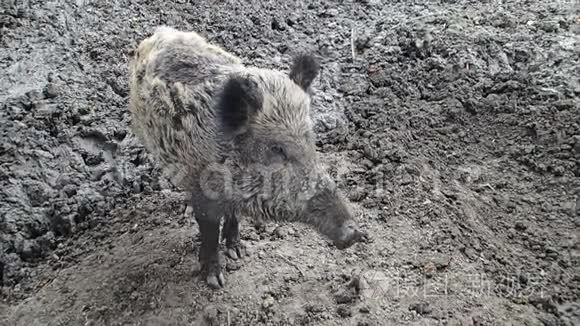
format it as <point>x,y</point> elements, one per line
<point>454,130</point>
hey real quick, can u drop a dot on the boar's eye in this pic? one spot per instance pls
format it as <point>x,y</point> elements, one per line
<point>279,151</point>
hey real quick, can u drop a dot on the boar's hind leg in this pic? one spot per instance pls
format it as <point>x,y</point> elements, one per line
<point>231,233</point>
<point>208,216</point>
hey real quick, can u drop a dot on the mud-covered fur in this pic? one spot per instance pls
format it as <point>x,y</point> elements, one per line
<point>239,138</point>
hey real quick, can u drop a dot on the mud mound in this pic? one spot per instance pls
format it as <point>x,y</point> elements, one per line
<point>454,128</point>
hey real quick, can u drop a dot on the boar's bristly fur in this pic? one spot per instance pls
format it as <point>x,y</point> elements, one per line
<point>239,138</point>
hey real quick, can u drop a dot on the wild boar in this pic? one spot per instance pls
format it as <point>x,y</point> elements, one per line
<point>239,138</point>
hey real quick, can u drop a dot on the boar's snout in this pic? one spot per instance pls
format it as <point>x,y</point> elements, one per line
<point>349,234</point>
<point>328,210</point>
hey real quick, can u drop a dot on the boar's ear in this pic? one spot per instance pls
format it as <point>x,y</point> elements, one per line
<point>238,103</point>
<point>304,69</point>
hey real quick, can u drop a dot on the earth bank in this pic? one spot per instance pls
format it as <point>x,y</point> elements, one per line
<point>452,126</point>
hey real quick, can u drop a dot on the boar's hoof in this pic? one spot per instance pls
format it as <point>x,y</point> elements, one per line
<point>236,251</point>
<point>214,276</point>
<point>349,236</point>
<point>216,280</point>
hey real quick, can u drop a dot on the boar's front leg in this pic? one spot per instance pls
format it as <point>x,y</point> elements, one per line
<point>208,214</point>
<point>231,233</point>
